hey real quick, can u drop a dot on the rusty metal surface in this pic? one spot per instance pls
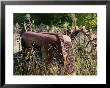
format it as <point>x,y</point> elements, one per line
<point>43,39</point>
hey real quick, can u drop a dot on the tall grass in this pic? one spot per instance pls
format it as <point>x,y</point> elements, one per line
<point>82,58</point>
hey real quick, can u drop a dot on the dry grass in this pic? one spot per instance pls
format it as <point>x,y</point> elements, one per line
<point>82,60</point>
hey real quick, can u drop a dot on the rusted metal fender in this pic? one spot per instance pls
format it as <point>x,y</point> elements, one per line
<point>42,37</point>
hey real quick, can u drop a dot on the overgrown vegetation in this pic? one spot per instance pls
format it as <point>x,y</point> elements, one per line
<point>83,50</point>
<point>61,20</point>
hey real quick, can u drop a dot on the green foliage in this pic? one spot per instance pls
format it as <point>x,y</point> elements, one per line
<point>55,19</point>
<point>62,20</point>
<point>89,20</point>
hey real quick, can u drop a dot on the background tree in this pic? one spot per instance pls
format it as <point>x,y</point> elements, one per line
<point>61,20</point>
